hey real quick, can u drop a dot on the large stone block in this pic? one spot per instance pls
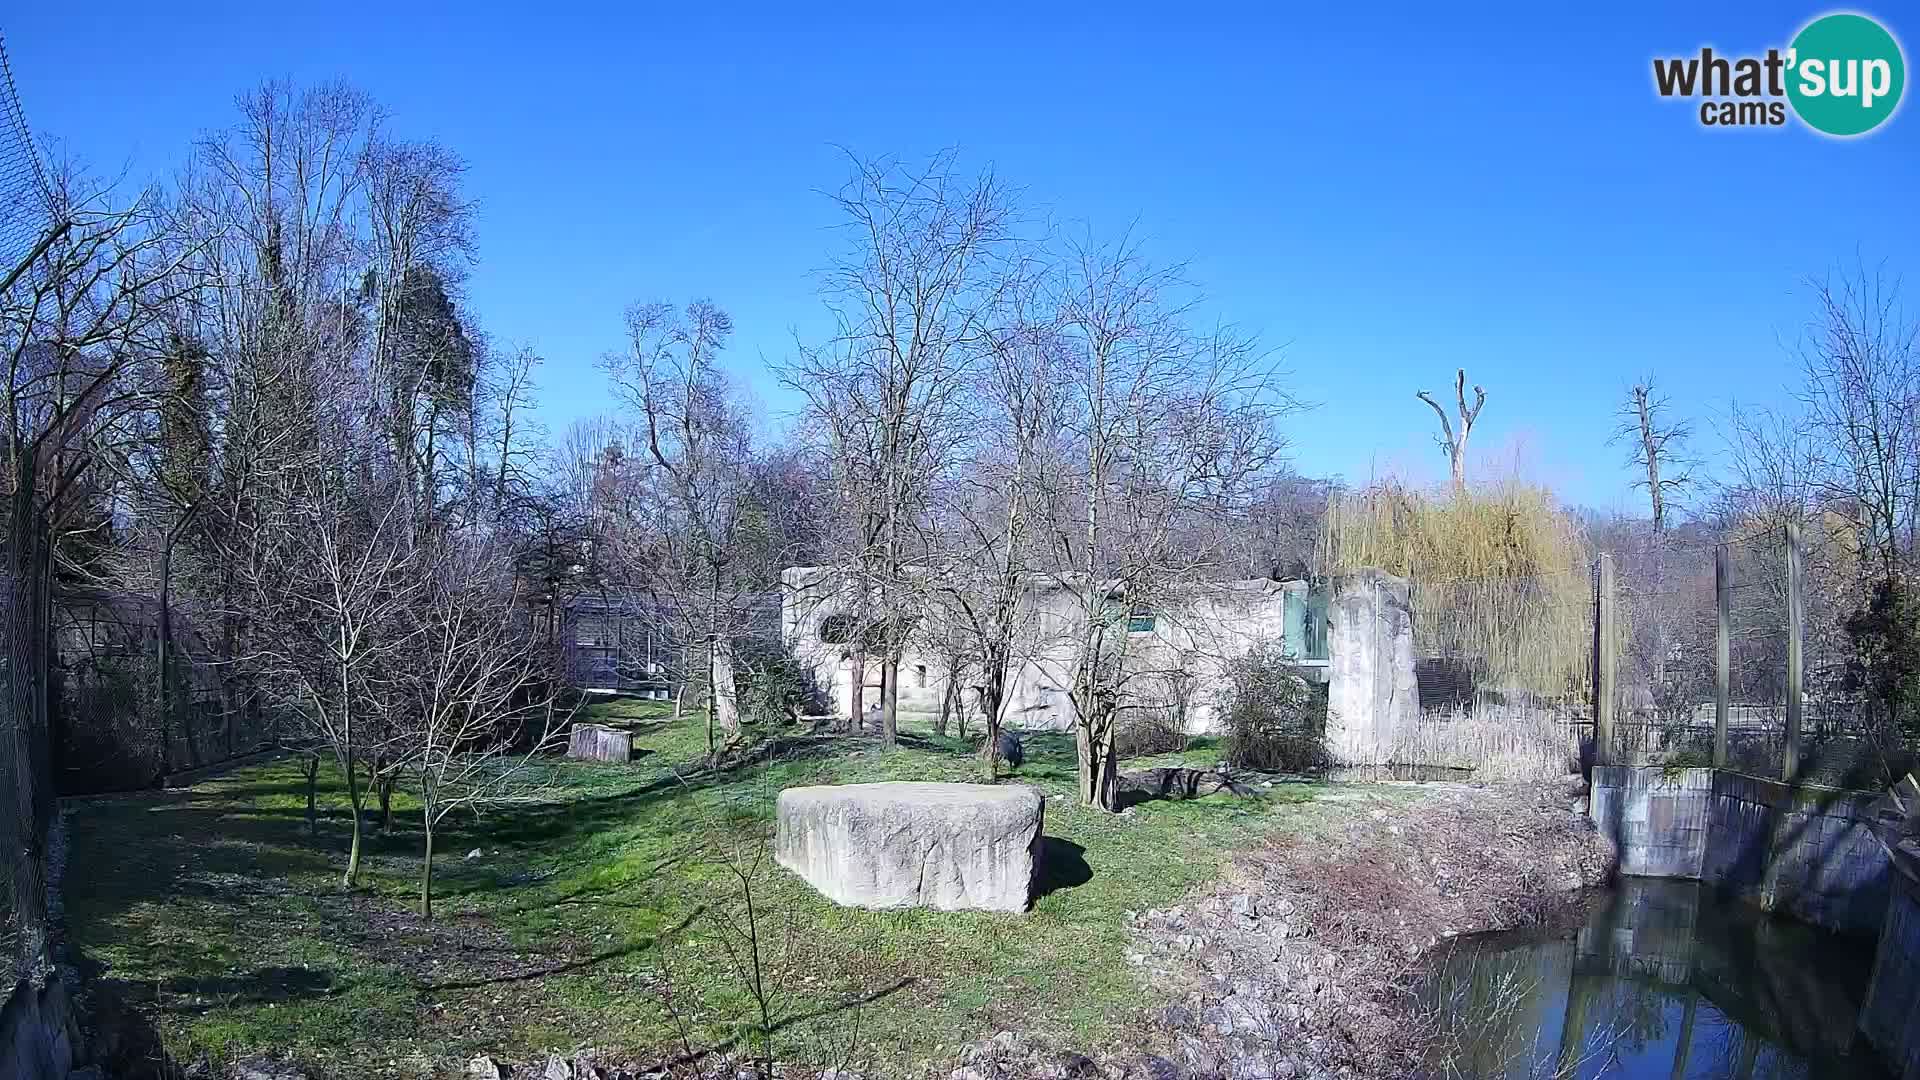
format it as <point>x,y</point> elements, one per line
<point>598,742</point>
<point>945,846</point>
<point>1371,692</point>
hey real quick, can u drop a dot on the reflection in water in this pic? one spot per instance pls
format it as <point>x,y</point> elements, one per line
<point>1664,980</point>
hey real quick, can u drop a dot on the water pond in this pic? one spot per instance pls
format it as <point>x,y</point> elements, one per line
<point>1664,979</point>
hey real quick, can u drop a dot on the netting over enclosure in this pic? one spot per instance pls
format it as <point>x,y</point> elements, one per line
<point>24,195</point>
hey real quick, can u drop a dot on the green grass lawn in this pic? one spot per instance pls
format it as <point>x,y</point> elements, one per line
<point>589,906</point>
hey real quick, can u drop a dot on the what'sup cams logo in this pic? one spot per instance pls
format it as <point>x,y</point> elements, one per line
<point>1842,76</point>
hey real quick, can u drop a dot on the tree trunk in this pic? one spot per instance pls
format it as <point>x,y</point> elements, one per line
<point>26,826</point>
<point>163,642</point>
<point>857,693</point>
<point>352,877</point>
<point>229,631</point>
<point>947,699</point>
<point>890,700</point>
<point>712,745</point>
<point>426,863</point>
<point>313,784</point>
<point>1099,774</point>
<point>386,804</point>
<point>990,697</point>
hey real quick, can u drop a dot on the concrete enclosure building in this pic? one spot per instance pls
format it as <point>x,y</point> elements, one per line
<point>1355,635</point>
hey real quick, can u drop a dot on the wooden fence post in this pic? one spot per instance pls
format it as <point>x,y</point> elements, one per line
<point>1722,651</point>
<point>1604,663</point>
<point>1795,673</point>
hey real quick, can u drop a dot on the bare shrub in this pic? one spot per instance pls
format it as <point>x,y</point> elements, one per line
<point>1149,731</point>
<point>1275,720</point>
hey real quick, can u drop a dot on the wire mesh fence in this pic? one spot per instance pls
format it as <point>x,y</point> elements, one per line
<point>24,195</point>
<point>110,731</point>
<point>1511,670</point>
<point>1674,603</point>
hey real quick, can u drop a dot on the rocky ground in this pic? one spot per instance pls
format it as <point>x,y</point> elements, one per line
<point>1302,961</point>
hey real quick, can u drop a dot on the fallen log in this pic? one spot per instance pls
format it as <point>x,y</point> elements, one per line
<point>1178,783</point>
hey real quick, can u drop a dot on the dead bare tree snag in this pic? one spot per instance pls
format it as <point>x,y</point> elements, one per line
<point>1656,448</point>
<point>1454,443</point>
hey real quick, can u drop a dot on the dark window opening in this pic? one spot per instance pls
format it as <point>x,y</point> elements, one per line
<point>836,629</point>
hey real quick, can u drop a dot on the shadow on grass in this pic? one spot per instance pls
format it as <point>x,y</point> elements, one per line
<point>693,1057</point>
<point>1063,865</point>
<point>568,968</point>
<point>277,985</point>
<point>123,1042</point>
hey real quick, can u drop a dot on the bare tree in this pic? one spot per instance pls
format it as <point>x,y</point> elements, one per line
<point>483,702</point>
<point>1657,447</point>
<point>1860,361</point>
<point>1452,439</point>
<point>1167,428</point>
<point>989,538</point>
<point>79,330</point>
<point>272,209</point>
<point>912,299</point>
<point>696,436</point>
<point>335,572</point>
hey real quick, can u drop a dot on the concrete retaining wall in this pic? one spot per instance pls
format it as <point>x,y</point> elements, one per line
<point>1656,818</point>
<point>1890,1018</point>
<point>1802,851</point>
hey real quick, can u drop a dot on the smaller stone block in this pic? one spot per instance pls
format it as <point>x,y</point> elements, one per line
<point>598,742</point>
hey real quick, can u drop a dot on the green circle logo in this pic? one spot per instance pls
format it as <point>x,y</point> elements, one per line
<point>1846,74</point>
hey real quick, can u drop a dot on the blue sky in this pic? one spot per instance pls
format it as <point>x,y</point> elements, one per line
<point>1384,194</point>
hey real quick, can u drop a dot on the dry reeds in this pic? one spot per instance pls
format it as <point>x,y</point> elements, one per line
<point>1500,581</point>
<point>1498,742</point>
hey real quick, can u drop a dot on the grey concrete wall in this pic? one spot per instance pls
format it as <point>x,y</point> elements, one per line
<point>1371,693</point>
<point>1800,850</point>
<point>1656,818</point>
<point>1890,1018</point>
<point>1196,633</point>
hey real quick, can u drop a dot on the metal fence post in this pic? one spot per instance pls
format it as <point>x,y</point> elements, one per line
<point>1795,671</point>
<point>1604,663</point>
<point>1722,651</point>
